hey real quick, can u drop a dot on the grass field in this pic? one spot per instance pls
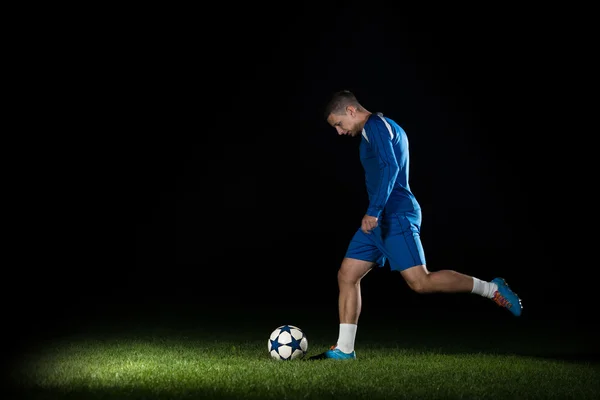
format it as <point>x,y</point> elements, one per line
<point>210,358</point>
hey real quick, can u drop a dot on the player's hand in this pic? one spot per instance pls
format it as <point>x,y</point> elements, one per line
<point>368,223</point>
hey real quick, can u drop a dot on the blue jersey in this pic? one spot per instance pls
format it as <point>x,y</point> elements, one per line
<point>385,159</point>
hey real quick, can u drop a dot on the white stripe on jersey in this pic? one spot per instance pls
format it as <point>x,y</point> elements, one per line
<point>387,125</point>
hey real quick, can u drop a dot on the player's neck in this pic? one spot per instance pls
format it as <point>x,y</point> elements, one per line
<point>365,115</point>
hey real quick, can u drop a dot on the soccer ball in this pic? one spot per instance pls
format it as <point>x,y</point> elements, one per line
<point>287,342</point>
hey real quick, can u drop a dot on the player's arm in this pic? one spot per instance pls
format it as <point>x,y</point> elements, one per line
<point>381,144</point>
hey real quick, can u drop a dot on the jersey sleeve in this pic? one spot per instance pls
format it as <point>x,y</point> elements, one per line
<point>380,139</point>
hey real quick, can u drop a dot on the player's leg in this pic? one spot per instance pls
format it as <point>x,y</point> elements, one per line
<point>350,274</point>
<point>421,280</point>
<point>349,301</point>
<point>402,246</point>
<point>361,256</point>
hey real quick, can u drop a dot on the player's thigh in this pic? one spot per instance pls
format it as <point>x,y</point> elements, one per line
<point>353,269</point>
<point>401,241</point>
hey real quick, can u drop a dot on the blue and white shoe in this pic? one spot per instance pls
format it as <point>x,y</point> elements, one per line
<point>337,354</point>
<point>506,298</point>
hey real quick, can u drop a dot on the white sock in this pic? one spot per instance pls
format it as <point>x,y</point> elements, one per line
<point>483,288</point>
<point>346,338</point>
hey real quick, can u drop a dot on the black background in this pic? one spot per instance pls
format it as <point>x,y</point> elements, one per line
<point>204,174</point>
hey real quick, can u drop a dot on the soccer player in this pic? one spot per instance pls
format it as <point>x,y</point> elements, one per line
<point>391,224</point>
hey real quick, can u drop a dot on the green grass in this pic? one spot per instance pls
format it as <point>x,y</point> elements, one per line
<point>426,362</point>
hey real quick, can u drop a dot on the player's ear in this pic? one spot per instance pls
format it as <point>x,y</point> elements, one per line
<point>350,110</point>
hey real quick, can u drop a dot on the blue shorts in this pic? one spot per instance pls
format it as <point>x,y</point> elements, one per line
<point>396,239</point>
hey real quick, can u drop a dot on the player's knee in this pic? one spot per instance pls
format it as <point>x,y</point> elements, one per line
<point>418,278</point>
<point>344,277</point>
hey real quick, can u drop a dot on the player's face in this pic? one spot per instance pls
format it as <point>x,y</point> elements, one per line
<point>345,124</point>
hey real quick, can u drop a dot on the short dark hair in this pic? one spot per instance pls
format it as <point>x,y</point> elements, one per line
<point>339,101</point>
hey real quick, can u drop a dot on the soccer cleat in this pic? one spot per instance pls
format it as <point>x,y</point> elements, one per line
<point>336,354</point>
<point>506,298</point>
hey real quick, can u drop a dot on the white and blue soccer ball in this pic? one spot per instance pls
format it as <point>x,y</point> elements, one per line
<point>287,342</point>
